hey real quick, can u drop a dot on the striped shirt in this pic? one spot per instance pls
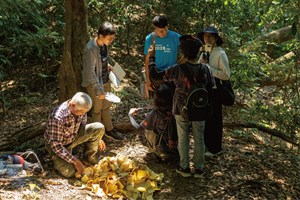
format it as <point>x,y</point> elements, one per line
<point>62,129</point>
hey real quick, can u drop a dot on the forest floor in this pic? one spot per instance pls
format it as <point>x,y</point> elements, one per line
<point>254,165</point>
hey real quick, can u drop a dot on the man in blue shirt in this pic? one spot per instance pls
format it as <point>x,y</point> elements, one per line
<point>166,44</point>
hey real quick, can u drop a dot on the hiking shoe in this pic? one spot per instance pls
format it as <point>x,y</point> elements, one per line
<point>183,172</point>
<point>114,135</point>
<point>93,161</point>
<point>210,154</point>
<point>198,173</point>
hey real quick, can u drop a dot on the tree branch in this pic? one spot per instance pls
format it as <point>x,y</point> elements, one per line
<point>264,129</point>
<point>278,36</point>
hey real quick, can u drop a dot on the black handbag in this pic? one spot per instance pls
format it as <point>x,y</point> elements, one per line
<point>226,92</point>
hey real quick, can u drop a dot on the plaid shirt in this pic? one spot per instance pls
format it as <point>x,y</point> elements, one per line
<point>62,129</point>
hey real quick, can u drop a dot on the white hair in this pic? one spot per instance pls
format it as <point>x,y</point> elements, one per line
<point>82,100</point>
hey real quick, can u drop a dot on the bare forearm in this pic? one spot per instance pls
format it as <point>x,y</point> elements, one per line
<point>147,68</point>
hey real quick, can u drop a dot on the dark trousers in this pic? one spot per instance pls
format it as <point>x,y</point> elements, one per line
<point>213,133</point>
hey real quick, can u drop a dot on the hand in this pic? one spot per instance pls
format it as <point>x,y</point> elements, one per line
<point>133,111</point>
<point>79,166</point>
<point>110,68</point>
<point>102,145</point>
<point>149,86</point>
<point>101,96</point>
<point>203,58</point>
<point>151,50</point>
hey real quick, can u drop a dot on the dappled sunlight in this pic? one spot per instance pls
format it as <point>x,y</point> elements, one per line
<point>272,176</point>
<point>9,84</point>
<point>249,148</point>
<point>131,150</point>
<point>218,173</point>
<point>253,165</point>
<point>259,138</point>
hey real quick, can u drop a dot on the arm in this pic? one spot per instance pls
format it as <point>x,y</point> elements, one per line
<point>149,50</point>
<point>89,75</point>
<point>78,165</point>
<point>55,137</point>
<point>131,114</point>
<point>148,81</point>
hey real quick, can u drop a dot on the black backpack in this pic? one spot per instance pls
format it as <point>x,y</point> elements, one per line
<point>196,103</point>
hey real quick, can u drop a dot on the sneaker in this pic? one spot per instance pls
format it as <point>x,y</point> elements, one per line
<point>209,154</point>
<point>198,173</point>
<point>183,172</point>
<point>114,135</point>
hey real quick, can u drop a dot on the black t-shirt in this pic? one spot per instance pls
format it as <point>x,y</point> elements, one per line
<point>104,58</point>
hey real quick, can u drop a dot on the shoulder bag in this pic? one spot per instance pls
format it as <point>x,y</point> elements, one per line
<point>226,92</point>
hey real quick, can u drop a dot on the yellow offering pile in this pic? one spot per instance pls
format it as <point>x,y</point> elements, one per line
<point>119,177</point>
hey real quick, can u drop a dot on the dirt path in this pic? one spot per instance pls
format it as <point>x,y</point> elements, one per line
<point>251,167</point>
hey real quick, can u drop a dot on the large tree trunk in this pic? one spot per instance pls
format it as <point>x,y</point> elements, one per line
<point>76,37</point>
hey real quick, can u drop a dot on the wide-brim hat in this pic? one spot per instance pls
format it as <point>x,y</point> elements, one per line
<point>213,30</point>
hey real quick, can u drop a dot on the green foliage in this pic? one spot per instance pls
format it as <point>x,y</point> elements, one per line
<point>30,99</point>
<point>32,32</point>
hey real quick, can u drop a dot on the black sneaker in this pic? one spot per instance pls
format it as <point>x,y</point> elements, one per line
<point>183,172</point>
<point>198,173</point>
<point>114,135</point>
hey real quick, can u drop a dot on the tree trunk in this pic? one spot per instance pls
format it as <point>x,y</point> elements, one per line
<point>264,129</point>
<point>283,58</point>
<point>22,136</point>
<point>76,37</point>
<point>26,134</point>
<point>278,36</point>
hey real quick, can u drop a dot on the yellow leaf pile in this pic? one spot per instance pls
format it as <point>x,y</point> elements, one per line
<point>120,177</point>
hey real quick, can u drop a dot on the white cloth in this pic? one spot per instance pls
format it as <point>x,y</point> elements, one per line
<point>219,63</point>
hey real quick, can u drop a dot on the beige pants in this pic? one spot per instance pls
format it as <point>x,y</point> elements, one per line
<point>100,111</point>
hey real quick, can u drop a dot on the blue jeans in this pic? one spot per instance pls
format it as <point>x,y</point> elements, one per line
<point>184,142</point>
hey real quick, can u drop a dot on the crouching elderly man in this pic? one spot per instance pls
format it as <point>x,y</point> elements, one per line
<point>67,128</point>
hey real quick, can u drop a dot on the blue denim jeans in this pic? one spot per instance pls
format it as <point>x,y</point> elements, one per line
<point>183,129</point>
